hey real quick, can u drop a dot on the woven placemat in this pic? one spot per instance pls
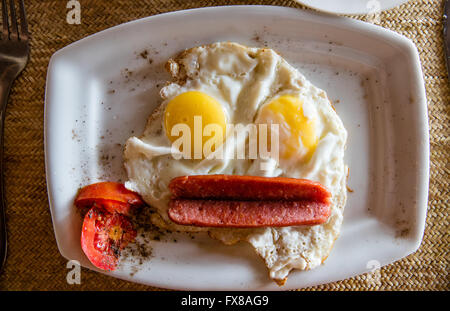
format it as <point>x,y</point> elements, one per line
<point>34,262</point>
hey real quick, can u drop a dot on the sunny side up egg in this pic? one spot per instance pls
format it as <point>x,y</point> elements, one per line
<point>228,83</point>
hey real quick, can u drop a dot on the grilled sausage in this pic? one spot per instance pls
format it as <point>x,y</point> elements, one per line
<point>247,214</point>
<point>247,188</point>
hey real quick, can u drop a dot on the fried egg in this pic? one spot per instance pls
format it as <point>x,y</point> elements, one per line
<point>228,83</point>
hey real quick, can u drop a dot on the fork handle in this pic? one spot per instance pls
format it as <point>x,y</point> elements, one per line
<point>5,87</point>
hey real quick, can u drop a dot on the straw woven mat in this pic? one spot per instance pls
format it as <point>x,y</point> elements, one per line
<point>34,262</point>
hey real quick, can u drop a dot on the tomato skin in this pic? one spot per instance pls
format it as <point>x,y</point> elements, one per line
<point>112,206</point>
<point>111,196</point>
<point>104,235</point>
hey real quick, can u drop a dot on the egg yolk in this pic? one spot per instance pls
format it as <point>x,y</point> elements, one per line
<point>297,133</point>
<point>204,117</point>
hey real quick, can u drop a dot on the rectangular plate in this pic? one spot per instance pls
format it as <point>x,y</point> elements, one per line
<point>100,91</point>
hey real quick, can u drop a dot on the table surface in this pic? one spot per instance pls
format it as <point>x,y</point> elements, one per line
<point>34,262</point>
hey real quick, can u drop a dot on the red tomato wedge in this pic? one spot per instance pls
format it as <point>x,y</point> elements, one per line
<point>104,235</point>
<point>112,196</point>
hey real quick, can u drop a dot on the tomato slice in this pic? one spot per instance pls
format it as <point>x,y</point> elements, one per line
<point>104,235</point>
<point>112,196</point>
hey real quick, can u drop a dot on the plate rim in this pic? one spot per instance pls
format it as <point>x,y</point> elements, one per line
<point>347,23</point>
<point>396,3</point>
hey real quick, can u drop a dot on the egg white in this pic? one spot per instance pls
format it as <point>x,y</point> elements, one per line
<point>242,80</point>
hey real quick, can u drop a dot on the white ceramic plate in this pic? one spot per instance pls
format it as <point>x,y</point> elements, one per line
<point>352,6</point>
<point>93,104</point>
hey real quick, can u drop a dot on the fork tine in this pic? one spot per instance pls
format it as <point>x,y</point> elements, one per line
<point>5,20</point>
<point>13,33</point>
<point>23,21</point>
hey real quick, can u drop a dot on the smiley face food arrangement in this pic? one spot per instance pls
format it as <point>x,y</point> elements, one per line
<point>287,203</point>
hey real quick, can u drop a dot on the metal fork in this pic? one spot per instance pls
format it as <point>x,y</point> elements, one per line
<point>14,51</point>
